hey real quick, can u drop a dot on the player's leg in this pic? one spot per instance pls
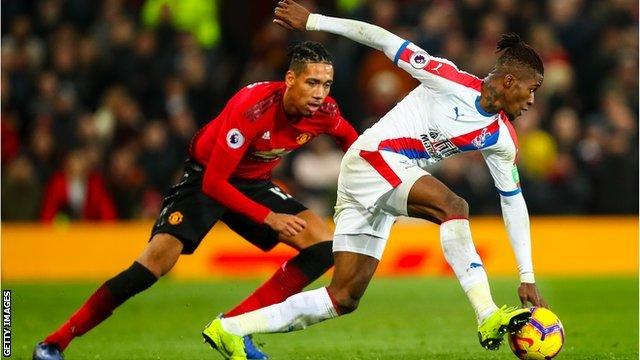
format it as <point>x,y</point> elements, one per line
<point>416,193</point>
<point>187,215</point>
<point>356,258</point>
<point>351,277</point>
<point>432,200</point>
<point>313,306</point>
<point>159,256</point>
<point>313,244</point>
<point>314,259</point>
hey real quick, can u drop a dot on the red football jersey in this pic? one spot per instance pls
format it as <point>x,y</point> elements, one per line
<point>249,137</point>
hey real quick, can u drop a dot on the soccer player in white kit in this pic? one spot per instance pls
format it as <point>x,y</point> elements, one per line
<point>381,178</point>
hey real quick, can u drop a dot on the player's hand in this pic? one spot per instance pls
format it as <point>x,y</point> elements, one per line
<point>291,15</point>
<point>529,293</point>
<point>288,225</point>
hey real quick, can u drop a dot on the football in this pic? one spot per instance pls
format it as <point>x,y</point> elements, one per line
<point>541,338</point>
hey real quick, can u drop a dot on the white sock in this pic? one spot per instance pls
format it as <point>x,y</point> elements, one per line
<point>295,313</point>
<point>455,237</point>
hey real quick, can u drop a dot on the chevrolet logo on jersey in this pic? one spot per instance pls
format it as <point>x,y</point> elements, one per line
<point>269,155</point>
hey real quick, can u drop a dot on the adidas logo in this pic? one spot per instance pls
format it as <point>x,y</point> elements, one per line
<point>266,135</point>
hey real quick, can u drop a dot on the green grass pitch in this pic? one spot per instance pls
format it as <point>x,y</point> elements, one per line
<point>399,318</point>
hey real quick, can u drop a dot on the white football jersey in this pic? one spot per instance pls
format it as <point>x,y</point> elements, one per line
<point>443,117</point>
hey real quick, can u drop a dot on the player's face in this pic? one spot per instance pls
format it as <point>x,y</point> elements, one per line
<point>519,93</point>
<point>309,87</point>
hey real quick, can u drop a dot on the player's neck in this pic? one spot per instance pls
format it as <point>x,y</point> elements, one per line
<point>490,97</point>
<point>288,106</point>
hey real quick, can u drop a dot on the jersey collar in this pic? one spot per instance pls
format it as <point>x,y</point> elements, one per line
<point>481,110</point>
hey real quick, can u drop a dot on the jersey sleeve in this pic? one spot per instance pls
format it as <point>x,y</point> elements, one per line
<point>339,128</point>
<point>501,159</point>
<point>235,135</point>
<point>437,74</point>
<point>344,133</point>
<point>501,162</point>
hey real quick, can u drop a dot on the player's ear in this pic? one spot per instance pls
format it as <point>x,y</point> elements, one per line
<point>508,81</point>
<point>290,78</point>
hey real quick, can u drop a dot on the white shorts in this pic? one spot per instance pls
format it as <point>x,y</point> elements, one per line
<point>373,188</point>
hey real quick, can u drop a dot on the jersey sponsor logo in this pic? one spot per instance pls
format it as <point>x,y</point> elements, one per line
<point>438,149</point>
<point>269,155</point>
<point>303,138</point>
<point>419,59</point>
<point>479,140</point>
<point>175,218</point>
<point>434,134</point>
<point>235,139</point>
<point>266,135</point>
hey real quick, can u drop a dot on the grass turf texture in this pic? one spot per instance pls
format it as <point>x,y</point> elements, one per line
<point>403,318</point>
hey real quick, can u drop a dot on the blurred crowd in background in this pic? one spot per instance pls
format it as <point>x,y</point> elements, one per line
<point>100,99</point>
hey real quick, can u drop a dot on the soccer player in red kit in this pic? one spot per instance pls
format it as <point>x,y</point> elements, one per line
<point>228,178</point>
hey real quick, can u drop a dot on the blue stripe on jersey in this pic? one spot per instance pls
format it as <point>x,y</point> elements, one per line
<point>400,50</point>
<point>410,153</point>
<point>509,193</point>
<point>480,109</point>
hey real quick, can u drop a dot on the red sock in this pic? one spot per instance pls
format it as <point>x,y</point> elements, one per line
<point>288,280</point>
<point>97,308</point>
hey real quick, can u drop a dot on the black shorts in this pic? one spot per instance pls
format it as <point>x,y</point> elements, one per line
<point>188,213</point>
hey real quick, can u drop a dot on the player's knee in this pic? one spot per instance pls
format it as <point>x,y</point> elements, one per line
<point>346,303</point>
<point>456,207</point>
<point>312,235</point>
<point>161,254</point>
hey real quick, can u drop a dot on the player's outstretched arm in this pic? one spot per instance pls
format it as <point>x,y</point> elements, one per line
<point>516,220</point>
<point>293,16</point>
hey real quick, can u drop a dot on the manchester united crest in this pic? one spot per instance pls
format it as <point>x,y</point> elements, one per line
<point>303,138</point>
<point>175,218</point>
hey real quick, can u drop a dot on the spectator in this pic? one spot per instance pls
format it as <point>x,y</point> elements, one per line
<point>77,192</point>
<point>78,74</point>
<point>21,191</point>
<point>126,181</point>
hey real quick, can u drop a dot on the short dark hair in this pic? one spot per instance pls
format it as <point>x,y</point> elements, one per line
<point>306,52</point>
<point>515,50</point>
